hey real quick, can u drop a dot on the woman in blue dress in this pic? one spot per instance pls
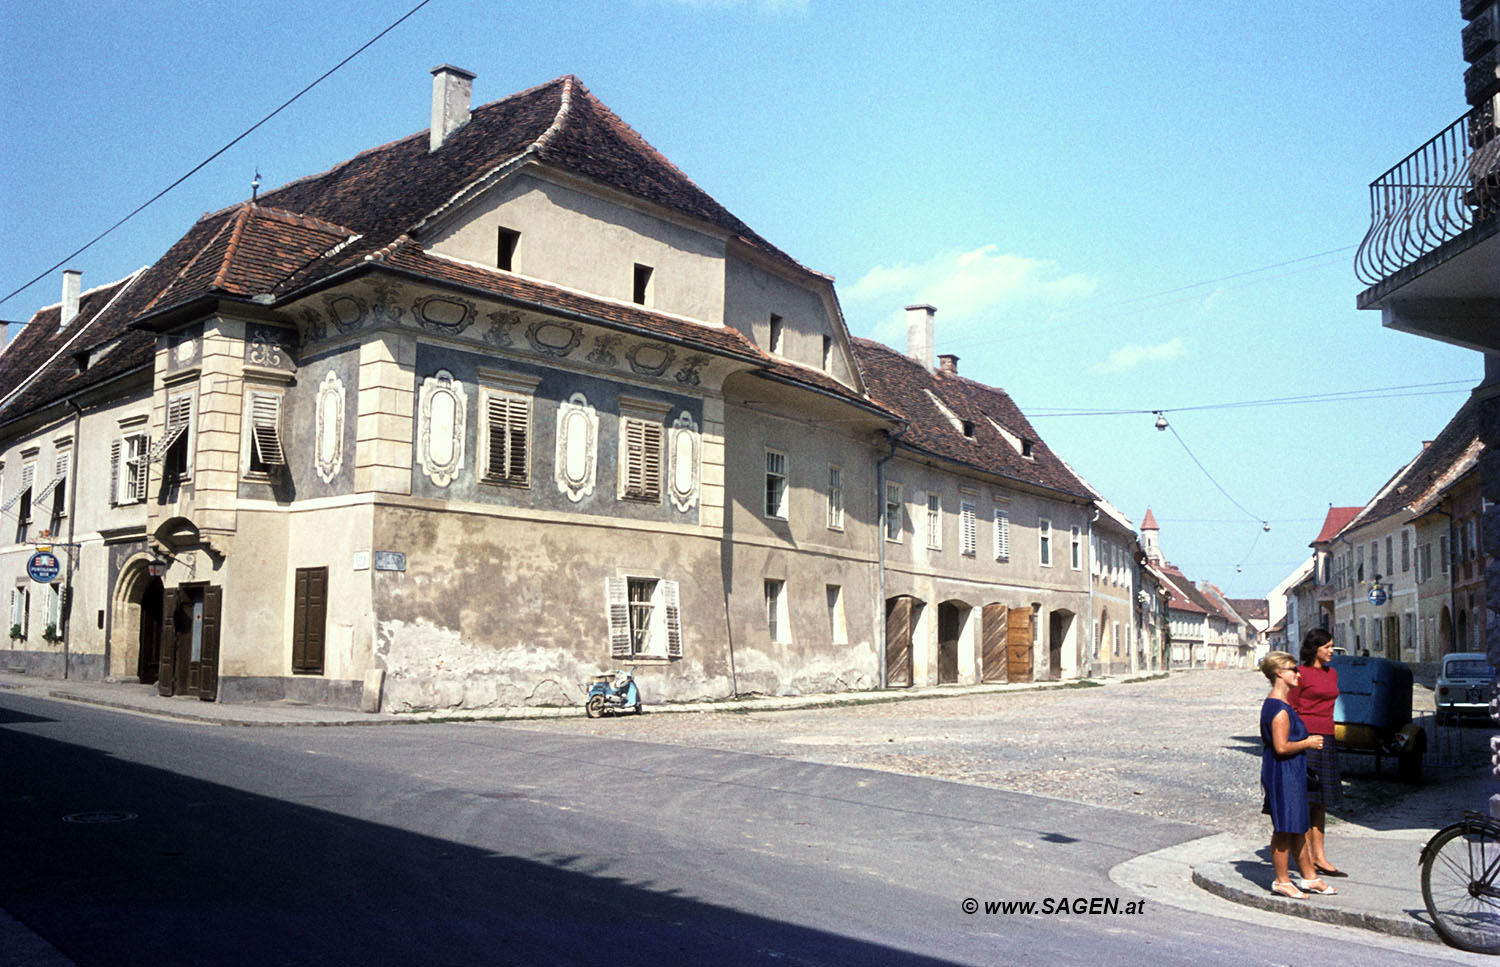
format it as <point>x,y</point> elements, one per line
<point>1283,775</point>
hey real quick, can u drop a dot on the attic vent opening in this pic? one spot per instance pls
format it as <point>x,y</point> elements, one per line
<point>505,249</point>
<point>1018,444</point>
<point>969,429</point>
<point>777,331</point>
<point>641,292</point>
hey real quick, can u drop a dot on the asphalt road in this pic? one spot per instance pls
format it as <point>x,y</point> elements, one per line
<point>132,840</point>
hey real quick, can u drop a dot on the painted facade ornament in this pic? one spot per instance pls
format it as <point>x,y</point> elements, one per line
<point>577,447</point>
<point>683,470</point>
<point>328,445</point>
<point>182,351</point>
<point>688,374</point>
<point>442,313</point>
<point>313,326</point>
<point>348,312</point>
<point>268,346</point>
<point>553,338</point>
<point>387,309</point>
<point>444,408</point>
<point>604,350</point>
<point>501,321</point>
<point>650,358</point>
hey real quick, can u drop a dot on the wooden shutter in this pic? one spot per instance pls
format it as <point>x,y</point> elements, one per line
<point>114,473</point>
<point>635,446</point>
<point>508,418</point>
<point>142,467</point>
<point>651,437</point>
<point>1002,535</point>
<point>208,656</point>
<point>670,598</point>
<point>179,412</point>
<point>265,421</point>
<point>898,642</point>
<point>617,598</point>
<point>166,678</point>
<point>309,619</point>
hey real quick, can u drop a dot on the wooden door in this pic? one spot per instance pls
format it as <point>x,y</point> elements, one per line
<point>898,642</point>
<point>1018,644</point>
<point>206,668</point>
<point>950,621</point>
<point>309,617</point>
<point>166,677</point>
<point>992,656</point>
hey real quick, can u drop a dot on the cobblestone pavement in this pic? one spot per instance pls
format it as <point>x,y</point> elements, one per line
<point>1184,747</point>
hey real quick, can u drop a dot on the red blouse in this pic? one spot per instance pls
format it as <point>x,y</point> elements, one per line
<point>1314,698</point>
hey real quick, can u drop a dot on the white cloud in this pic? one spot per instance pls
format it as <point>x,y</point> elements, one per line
<point>1133,355</point>
<point>969,287</point>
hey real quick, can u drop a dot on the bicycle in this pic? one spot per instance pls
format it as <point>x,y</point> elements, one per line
<point>1461,883</point>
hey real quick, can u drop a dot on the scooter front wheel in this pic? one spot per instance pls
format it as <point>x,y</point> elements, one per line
<point>595,706</point>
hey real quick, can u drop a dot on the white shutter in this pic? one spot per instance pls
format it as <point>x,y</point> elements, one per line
<point>179,414</point>
<point>651,436</point>
<point>674,619</point>
<point>265,420</point>
<point>114,473</point>
<point>28,474</point>
<point>635,456</point>
<point>1002,535</point>
<point>137,451</point>
<point>617,597</point>
<point>968,527</point>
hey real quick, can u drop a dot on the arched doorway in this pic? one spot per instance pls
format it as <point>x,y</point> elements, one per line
<point>952,616</point>
<point>1059,628</point>
<point>149,639</point>
<point>135,622</point>
<point>1445,632</point>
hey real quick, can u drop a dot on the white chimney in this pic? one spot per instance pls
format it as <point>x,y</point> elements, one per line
<point>919,341</point>
<point>70,288</point>
<point>451,88</point>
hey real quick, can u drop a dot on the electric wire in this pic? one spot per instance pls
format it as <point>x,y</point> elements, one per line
<point>206,161</point>
<point>1189,452</point>
<point>1337,396</point>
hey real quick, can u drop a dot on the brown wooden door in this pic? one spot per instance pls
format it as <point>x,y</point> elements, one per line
<point>992,656</point>
<point>206,668</point>
<point>1018,644</point>
<point>898,642</point>
<point>309,617</point>
<point>166,677</point>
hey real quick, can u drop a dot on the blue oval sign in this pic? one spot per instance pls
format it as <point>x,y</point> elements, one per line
<point>1377,596</point>
<point>43,567</point>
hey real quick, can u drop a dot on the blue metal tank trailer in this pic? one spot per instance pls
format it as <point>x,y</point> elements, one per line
<point>1373,713</point>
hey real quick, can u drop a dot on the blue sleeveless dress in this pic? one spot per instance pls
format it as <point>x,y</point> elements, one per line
<point>1284,778</point>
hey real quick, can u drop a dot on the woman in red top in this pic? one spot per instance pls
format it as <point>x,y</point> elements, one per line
<point>1313,699</point>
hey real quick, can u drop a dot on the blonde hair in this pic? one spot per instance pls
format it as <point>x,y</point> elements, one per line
<point>1275,662</point>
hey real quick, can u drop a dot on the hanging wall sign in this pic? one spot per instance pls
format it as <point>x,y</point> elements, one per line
<point>43,567</point>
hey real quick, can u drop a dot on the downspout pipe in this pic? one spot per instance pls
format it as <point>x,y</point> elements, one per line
<point>891,439</point>
<point>1093,634</point>
<point>1452,598</point>
<point>65,609</point>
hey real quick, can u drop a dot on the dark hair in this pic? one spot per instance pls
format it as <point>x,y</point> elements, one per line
<point>1315,638</point>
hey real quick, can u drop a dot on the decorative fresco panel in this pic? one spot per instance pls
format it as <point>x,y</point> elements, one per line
<point>444,409</point>
<point>683,471</point>
<point>328,448</point>
<point>577,447</point>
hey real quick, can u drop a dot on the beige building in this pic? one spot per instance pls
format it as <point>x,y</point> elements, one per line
<point>486,411</point>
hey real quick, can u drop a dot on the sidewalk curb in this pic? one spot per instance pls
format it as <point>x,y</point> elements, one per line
<point>1217,878</point>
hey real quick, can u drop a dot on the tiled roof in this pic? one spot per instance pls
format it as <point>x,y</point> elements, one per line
<point>1149,524</point>
<point>905,387</point>
<point>1336,520</point>
<point>1456,447</point>
<point>1256,608</point>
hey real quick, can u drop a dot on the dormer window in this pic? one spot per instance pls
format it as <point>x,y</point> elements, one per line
<point>969,428</point>
<point>641,292</point>
<point>776,334</point>
<point>505,249</point>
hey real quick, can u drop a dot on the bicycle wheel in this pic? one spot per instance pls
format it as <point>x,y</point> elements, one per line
<point>1460,868</point>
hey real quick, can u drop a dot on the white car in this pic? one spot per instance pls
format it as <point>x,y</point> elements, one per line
<point>1463,687</point>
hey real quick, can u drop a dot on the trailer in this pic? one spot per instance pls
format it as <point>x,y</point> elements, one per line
<point>1373,713</point>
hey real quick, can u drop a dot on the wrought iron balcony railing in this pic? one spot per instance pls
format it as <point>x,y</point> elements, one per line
<point>1442,190</point>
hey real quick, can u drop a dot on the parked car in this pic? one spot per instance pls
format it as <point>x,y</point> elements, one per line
<point>1373,713</point>
<point>1463,685</point>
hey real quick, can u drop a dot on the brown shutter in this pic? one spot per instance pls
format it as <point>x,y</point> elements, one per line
<point>166,678</point>
<point>518,433</point>
<point>898,642</point>
<point>208,659</point>
<point>1019,644</point>
<point>651,436</point>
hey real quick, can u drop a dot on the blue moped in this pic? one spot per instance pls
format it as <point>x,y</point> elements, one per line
<point>613,694</point>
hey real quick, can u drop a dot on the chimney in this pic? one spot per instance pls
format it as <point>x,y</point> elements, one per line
<point>70,287</point>
<point>919,334</point>
<point>948,363</point>
<point>451,87</point>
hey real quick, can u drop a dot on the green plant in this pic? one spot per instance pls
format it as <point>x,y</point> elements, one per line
<point>51,633</point>
<point>15,631</point>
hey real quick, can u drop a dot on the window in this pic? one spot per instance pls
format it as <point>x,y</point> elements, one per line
<point>776,620</point>
<point>1443,553</point>
<point>776,334</point>
<point>53,624</point>
<point>968,538</point>
<point>644,618</point>
<point>505,248</point>
<point>893,512</point>
<point>1405,549</point>
<point>176,439</point>
<point>1044,541</point>
<point>265,434</point>
<point>641,292</point>
<point>1471,528</point>
<point>1115,639</point>
<point>835,497</point>
<point>23,512</point>
<point>59,488</point>
<point>1390,558</point>
<point>309,618</point>
<point>1075,547</point>
<point>827,354</point>
<point>1002,534</point>
<point>838,627</point>
<point>934,522</point>
<point>642,463</point>
<point>1374,558</point>
<point>127,469</point>
<point>775,484</point>
<point>1359,563</point>
<point>506,430</point>
<point>20,609</point>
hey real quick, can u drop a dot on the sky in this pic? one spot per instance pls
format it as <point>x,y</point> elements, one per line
<point>1148,205</point>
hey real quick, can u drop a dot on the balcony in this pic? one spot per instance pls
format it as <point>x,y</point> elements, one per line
<point>1431,258</point>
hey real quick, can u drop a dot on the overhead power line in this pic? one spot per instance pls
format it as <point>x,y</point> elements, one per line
<point>1339,396</point>
<point>206,161</point>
